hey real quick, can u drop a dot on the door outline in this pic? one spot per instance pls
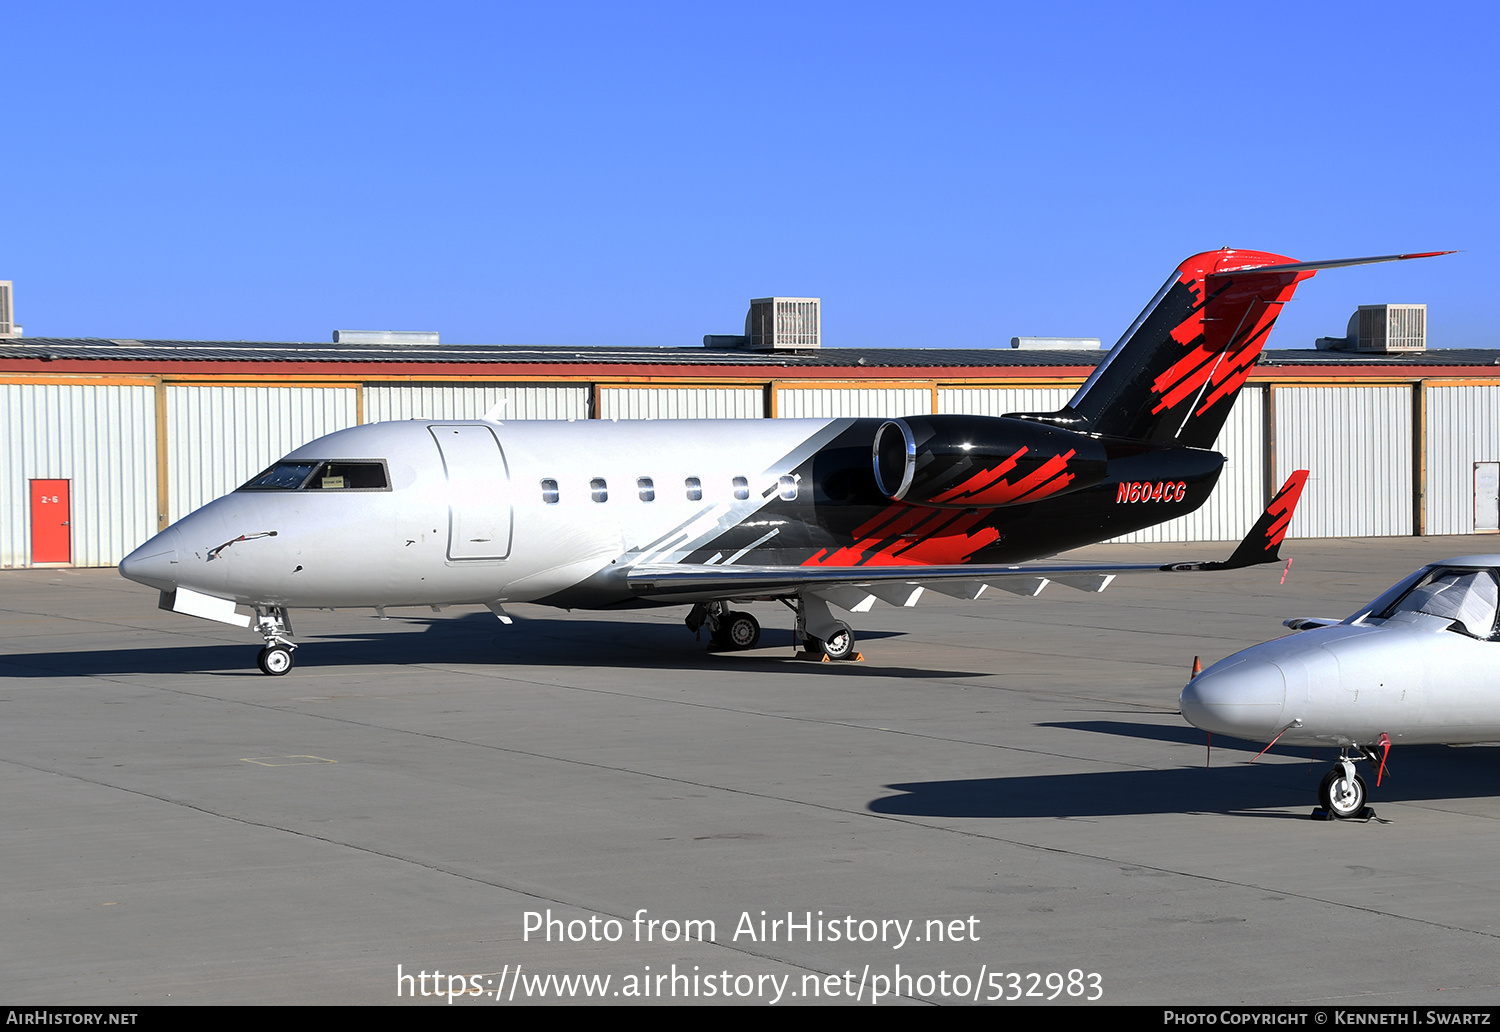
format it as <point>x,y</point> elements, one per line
<point>480,526</point>
<point>51,539</point>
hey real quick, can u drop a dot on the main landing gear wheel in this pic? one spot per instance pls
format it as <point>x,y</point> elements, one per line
<point>274,660</point>
<point>839,644</point>
<point>1342,796</point>
<point>738,630</point>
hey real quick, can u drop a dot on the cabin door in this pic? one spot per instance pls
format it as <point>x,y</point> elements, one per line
<point>479,502</point>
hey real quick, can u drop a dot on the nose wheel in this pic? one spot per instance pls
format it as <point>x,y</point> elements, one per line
<point>274,625</point>
<point>1343,793</point>
<point>275,660</point>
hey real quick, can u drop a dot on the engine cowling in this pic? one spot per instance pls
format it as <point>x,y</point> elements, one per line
<point>981,462</point>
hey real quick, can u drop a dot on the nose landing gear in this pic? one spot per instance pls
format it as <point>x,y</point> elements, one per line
<point>1343,793</point>
<point>276,627</point>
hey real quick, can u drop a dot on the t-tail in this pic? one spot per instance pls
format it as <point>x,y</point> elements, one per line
<point>1174,375</point>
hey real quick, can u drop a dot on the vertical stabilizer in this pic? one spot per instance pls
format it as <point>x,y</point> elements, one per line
<point>1173,377</point>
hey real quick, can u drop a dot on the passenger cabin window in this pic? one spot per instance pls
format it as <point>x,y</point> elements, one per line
<point>741,488</point>
<point>1467,597</point>
<point>646,488</point>
<point>694,489</point>
<point>788,489</point>
<point>550,493</point>
<point>331,475</point>
<point>599,490</point>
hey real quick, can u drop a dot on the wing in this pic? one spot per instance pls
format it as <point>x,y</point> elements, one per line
<point>857,588</point>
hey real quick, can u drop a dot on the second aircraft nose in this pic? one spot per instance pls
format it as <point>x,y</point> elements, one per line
<point>1241,699</point>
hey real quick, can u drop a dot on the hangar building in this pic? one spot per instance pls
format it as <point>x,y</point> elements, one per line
<point>107,441</point>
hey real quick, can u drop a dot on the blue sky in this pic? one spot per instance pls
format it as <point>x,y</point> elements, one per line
<point>942,174</point>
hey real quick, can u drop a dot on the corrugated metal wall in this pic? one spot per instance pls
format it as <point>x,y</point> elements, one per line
<point>1463,427</point>
<point>100,437</point>
<point>1356,443</point>
<point>851,402</point>
<point>682,403</point>
<point>219,437</point>
<point>471,401</point>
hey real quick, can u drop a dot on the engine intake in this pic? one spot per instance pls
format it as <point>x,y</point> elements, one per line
<point>983,462</point>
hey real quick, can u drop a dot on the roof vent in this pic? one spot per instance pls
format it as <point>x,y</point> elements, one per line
<point>385,336</point>
<point>1055,343</point>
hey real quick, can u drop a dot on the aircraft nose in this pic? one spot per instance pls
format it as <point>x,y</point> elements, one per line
<point>154,563</point>
<point>1241,700</point>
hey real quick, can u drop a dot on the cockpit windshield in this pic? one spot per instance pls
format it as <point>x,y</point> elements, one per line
<point>313,475</point>
<point>1468,597</point>
<point>284,476</point>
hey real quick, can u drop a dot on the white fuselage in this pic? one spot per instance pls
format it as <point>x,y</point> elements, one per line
<point>1412,676</point>
<point>445,534</point>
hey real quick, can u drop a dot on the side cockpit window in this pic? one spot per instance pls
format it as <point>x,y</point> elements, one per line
<point>332,475</point>
<point>1467,597</point>
<point>349,476</point>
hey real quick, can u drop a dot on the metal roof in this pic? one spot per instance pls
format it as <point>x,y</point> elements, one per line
<point>272,352</point>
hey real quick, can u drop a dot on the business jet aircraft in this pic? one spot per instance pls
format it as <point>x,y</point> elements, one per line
<point>1416,667</point>
<point>810,512</point>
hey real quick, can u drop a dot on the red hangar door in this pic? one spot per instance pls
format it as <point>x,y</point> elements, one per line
<point>51,508</point>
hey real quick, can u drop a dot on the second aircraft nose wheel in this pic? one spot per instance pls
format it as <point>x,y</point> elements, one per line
<point>1342,796</point>
<point>275,660</point>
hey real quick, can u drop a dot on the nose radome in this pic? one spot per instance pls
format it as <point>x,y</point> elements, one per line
<point>154,563</point>
<point>1241,700</point>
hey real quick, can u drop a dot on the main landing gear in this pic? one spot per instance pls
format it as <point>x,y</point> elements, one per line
<point>737,630</point>
<point>838,645</point>
<point>818,632</point>
<point>1342,793</point>
<point>731,630</point>
<point>275,626</point>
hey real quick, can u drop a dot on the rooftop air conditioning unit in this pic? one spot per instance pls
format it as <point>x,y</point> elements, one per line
<point>1389,329</point>
<point>783,324</point>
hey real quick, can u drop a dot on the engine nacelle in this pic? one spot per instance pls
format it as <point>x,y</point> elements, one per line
<point>982,462</point>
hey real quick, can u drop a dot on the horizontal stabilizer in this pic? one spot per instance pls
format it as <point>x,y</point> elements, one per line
<point>1335,263</point>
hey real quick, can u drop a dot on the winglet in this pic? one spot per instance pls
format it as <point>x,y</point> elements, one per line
<point>1263,543</point>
